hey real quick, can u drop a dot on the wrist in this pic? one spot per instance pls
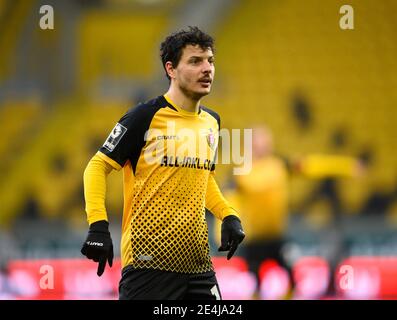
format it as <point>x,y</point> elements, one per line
<point>231,218</point>
<point>99,226</point>
<point>229,211</point>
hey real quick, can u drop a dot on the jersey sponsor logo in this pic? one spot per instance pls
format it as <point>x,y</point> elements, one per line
<point>186,162</point>
<point>114,137</point>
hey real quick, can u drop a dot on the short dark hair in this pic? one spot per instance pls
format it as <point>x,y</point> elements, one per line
<point>171,48</point>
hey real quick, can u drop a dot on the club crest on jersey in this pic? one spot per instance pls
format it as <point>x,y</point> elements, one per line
<point>211,139</point>
<point>114,137</point>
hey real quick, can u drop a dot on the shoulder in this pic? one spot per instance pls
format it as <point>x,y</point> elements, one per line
<point>212,113</point>
<point>143,111</point>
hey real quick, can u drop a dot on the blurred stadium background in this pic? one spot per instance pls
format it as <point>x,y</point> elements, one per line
<point>285,64</point>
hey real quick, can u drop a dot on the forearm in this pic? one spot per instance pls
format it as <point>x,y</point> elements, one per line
<point>95,176</point>
<point>215,201</point>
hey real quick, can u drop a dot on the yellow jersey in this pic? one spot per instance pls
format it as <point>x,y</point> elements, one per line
<point>167,155</point>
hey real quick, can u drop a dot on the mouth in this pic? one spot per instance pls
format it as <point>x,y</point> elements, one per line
<point>205,81</point>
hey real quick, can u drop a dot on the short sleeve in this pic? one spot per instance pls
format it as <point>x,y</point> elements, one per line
<point>127,138</point>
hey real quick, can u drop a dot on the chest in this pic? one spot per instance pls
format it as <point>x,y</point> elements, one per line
<point>175,141</point>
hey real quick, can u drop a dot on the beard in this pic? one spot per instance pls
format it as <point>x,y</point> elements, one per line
<point>194,95</point>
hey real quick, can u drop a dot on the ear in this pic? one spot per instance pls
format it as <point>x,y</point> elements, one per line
<point>170,69</point>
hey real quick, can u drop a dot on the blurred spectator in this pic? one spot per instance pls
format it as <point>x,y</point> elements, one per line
<point>262,199</point>
<point>339,138</point>
<point>301,110</point>
<point>328,169</point>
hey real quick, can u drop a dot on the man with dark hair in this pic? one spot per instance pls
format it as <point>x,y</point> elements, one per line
<point>168,184</point>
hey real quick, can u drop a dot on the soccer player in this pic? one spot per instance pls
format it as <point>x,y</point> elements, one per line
<point>166,148</point>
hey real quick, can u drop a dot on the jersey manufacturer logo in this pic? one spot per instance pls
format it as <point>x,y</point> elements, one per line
<point>115,137</point>
<point>167,137</point>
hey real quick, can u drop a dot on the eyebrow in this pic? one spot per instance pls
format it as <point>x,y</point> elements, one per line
<point>199,57</point>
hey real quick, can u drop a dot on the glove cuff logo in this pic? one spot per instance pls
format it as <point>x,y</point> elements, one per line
<point>97,244</point>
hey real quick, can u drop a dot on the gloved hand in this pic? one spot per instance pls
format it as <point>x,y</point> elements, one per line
<point>99,246</point>
<point>231,235</point>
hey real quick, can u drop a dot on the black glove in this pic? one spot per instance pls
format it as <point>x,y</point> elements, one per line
<point>99,246</point>
<point>231,235</point>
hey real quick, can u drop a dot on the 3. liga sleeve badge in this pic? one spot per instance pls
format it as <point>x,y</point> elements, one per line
<point>114,137</point>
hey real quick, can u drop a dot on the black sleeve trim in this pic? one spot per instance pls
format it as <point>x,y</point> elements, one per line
<point>214,114</point>
<point>136,122</point>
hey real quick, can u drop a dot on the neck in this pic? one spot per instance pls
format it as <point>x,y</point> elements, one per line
<point>182,100</point>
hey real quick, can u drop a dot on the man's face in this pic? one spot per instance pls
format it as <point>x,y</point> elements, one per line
<point>195,71</point>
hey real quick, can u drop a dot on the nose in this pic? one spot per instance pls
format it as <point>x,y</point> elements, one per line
<point>207,67</point>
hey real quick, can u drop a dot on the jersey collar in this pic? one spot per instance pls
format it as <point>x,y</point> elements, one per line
<point>179,109</point>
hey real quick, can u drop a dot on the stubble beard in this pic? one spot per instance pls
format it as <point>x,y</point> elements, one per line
<point>196,96</point>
